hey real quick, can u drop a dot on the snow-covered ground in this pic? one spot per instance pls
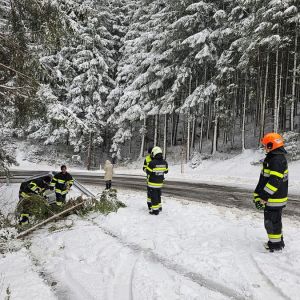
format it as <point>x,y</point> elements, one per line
<point>237,171</point>
<point>189,251</point>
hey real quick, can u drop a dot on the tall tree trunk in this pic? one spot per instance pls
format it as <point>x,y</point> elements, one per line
<point>244,114</point>
<point>193,132</point>
<point>175,129</point>
<point>294,82</point>
<point>89,153</point>
<point>263,106</point>
<point>279,95</point>
<point>143,137</point>
<point>234,110</point>
<point>188,136</point>
<point>155,130</point>
<point>275,125</point>
<point>215,137</point>
<point>165,135</point>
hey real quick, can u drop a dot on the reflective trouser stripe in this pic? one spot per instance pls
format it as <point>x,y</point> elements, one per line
<point>25,215</point>
<point>275,238</point>
<point>155,207</point>
<point>59,203</point>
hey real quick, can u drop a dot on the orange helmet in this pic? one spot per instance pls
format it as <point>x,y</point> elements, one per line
<point>272,141</point>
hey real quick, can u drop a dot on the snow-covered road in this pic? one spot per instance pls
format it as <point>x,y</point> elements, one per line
<point>190,251</point>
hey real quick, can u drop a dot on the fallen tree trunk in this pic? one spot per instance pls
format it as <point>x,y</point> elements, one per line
<point>33,228</point>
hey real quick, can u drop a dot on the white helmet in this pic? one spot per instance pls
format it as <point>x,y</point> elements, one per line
<point>156,150</point>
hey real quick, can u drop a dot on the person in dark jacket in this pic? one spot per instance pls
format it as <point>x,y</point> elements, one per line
<point>156,170</point>
<point>27,189</point>
<point>271,193</point>
<point>62,183</point>
<point>147,160</point>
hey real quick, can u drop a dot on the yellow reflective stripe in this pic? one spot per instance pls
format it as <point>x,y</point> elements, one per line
<point>155,206</point>
<point>71,181</point>
<point>267,171</point>
<point>279,200</point>
<point>255,194</point>
<point>151,170</point>
<point>24,195</point>
<point>61,181</point>
<point>34,186</point>
<point>286,171</point>
<point>275,236</point>
<point>155,184</point>
<point>280,175</point>
<point>24,215</point>
<point>54,179</point>
<point>271,187</point>
<point>61,192</point>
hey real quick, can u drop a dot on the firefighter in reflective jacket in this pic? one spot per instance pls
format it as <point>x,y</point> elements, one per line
<point>156,170</point>
<point>28,189</point>
<point>271,193</point>
<point>62,183</point>
<point>147,160</point>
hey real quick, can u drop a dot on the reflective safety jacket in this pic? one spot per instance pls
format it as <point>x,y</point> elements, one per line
<point>273,181</point>
<point>62,183</point>
<point>156,170</point>
<point>35,186</point>
<point>146,162</point>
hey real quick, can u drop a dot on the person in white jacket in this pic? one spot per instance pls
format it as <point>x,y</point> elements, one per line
<point>108,169</point>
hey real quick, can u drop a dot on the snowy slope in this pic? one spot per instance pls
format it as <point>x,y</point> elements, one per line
<point>189,251</point>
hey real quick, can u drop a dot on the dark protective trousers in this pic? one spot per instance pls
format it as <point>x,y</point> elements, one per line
<point>108,184</point>
<point>273,225</point>
<point>60,197</point>
<point>149,203</point>
<point>155,198</point>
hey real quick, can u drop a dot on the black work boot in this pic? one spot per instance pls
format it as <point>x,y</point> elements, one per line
<point>154,212</point>
<point>274,246</point>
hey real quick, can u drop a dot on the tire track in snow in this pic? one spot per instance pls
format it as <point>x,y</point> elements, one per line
<point>267,279</point>
<point>263,278</point>
<point>60,291</point>
<point>180,270</point>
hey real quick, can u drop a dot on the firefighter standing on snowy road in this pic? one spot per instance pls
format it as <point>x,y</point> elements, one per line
<point>147,160</point>
<point>156,170</point>
<point>62,183</point>
<point>271,193</point>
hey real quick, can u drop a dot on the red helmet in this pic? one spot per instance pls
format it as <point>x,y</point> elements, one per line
<point>272,141</point>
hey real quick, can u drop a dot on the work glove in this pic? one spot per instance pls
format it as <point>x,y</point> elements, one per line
<point>259,203</point>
